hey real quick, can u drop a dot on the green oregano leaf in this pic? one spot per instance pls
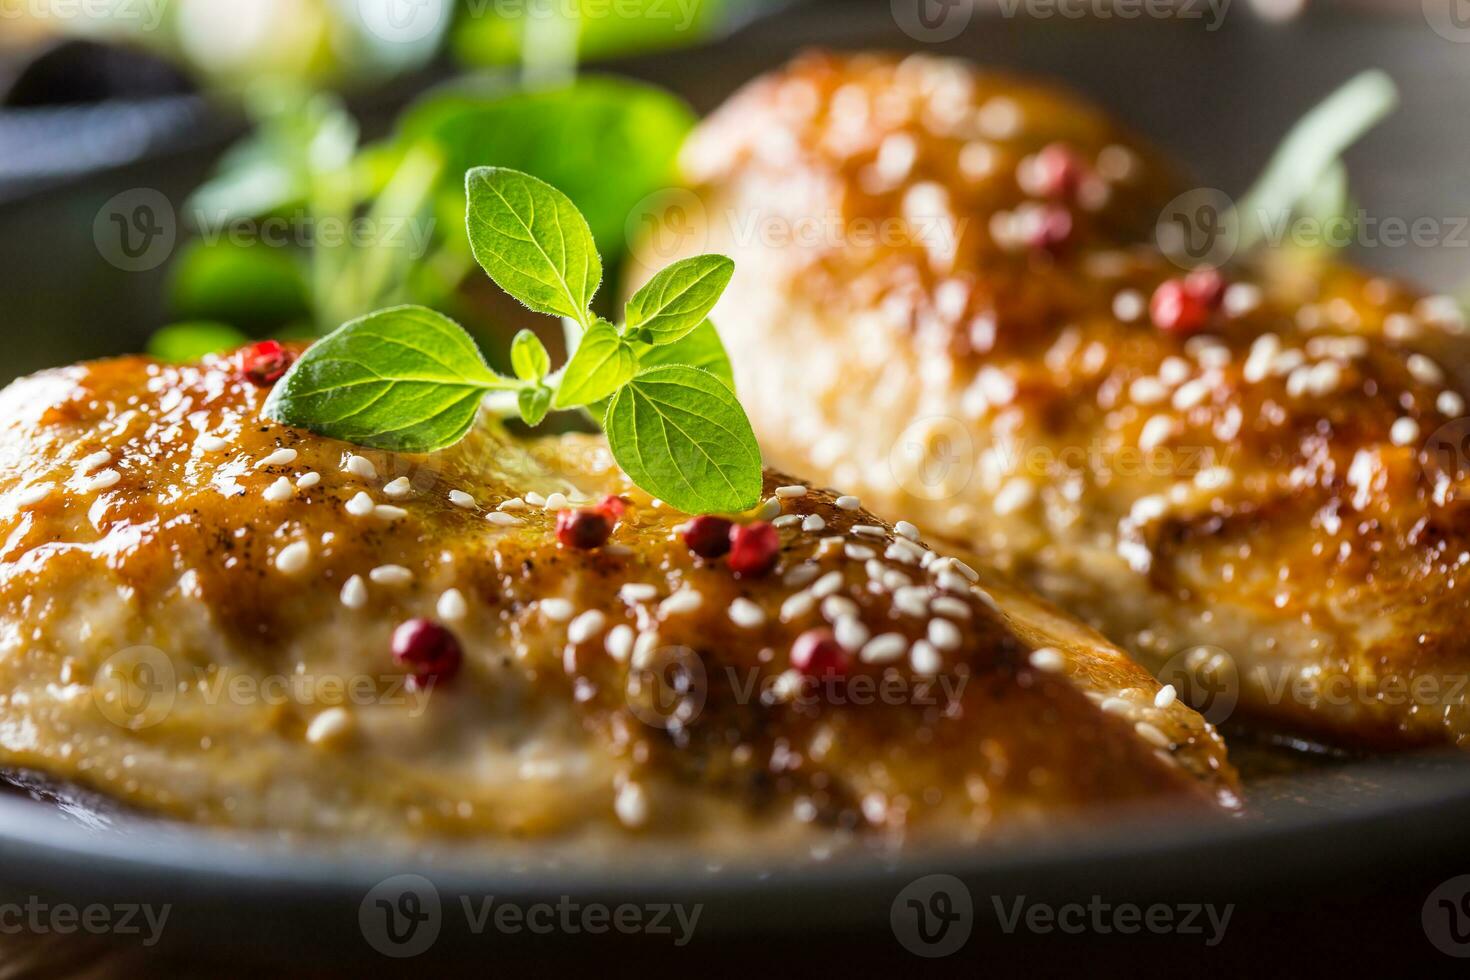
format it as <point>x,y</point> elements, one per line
<point>528,357</point>
<point>678,299</point>
<point>680,434</point>
<point>700,348</point>
<point>534,403</point>
<point>531,239</point>
<point>405,379</point>
<point>602,363</point>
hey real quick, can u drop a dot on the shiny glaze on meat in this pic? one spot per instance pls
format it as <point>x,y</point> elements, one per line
<point>1285,487</point>
<point>157,554</point>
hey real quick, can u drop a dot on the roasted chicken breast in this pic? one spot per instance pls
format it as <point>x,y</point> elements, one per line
<point>201,614</point>
<point>1256,483</point>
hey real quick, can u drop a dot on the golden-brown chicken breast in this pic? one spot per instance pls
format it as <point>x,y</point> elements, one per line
<point>1243,465</point>
<point>202,613</point>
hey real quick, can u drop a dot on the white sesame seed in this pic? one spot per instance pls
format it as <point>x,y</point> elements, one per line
<point>1450,403</point>
<point>586,626</point>
<point>681,602</point>
<point>638,592</point>
<point>535,499</point>
<point>813,523</point>
<point>619,642</point>
<point>34,495</point>
<point>911,600</point>
<point>827,584</point>
<point>1151,733</point>
<point>1191,393</point>
<point>556,501</point>
<point>102,481</point>
<point>884,649</point>
<point>279,491</point>
<point>924,658</point>
<point>849,502</point>
<point>964,569</point>
<point>281,457</point>
<point>1424,370</point>
<point>1241,298</point>
<point>557,610</point>
<point>211,444</point>
<point>800,575</point>
<point>834,607</point>
<point>745,613</point>
<point>1155,432</point>
<point>644,648</point>
<point>1147,391</point>
<point>308,480</point>
<point>361,505</point>
<point>859,552</point>
<point>1017,493</point>
<point>452,607</point>
<point>944,634</point>
<point>850,633</point>
<point>1165,697</point>
<point>796,606</point>
<point>1128,305</point>
<point>329,726</point>
<point>768,510</point>
<point>905,551</point>
<point>94,462</point>
<point>391,575</point>
<point>791,492</point>
<point>1403,432</point>
<point>399,488</point>
<point>387,512</point>
<point>786,520</point>
<point>631,805</point>
<point>514,503</point>
<point>893,580</point>
<point>908,530</point>
<point>503,520</point>
<point>354,593</point>
<point>462,500</point>
<point>951,582</point>
<point>1048,659</point>
<point>361,466</point>
<point>869,530</point>
<point>948,605</point>
<point>829,546</point>
<point>294,558</point>
<point>1116,706</point>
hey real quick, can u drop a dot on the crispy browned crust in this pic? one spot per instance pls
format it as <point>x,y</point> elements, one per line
<point>181,553</point>
<point>1282,486</point>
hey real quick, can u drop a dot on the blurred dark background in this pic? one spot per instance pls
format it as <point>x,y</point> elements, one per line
<point>152,98</point>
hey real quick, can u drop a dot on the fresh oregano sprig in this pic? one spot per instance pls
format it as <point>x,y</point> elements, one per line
<point>408,379</point>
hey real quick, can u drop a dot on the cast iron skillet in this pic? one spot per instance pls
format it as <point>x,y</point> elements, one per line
<point>1217,99</point>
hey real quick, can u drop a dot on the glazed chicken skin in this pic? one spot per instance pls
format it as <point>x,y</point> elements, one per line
<point>199,610</point>
<point>1254,484</point>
